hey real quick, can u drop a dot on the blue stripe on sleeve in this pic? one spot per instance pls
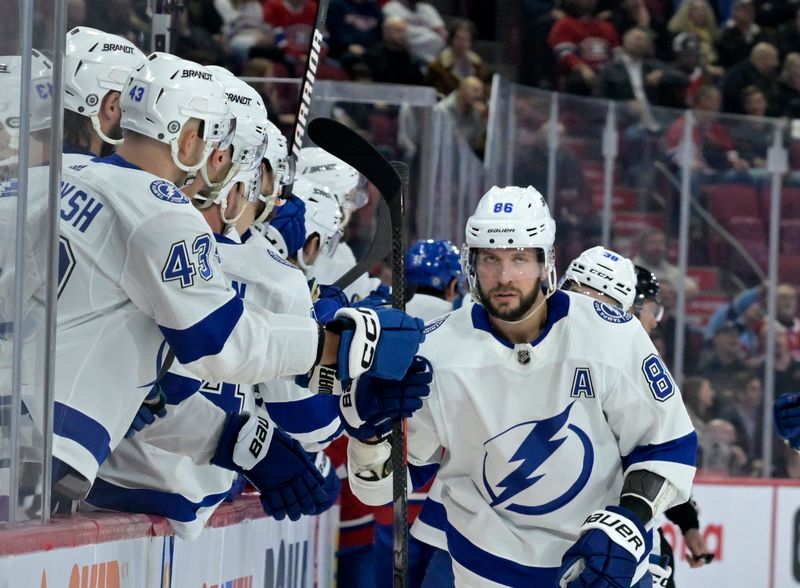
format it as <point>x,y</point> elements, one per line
<point>82,429</point>
<point>145,501</point>
<point>421,475</point>
<point>682,450</point>
<point>433,514</point>
<point>207,336</point>
<point>306,415</point>
<point>495,568</point>
<point>178,388</point>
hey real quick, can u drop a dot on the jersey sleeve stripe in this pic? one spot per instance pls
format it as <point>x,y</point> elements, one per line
<point>178,388</point>
<point>682,450</point>
<point>433,514</point>
<point>422,475</point>
<point>146,501</point>
<point>495,568</point>
<point>208,335</point>
<point>306,415</point>
<point>83,430</point>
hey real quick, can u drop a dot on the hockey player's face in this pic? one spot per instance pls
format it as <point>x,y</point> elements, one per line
<point>509,281</point>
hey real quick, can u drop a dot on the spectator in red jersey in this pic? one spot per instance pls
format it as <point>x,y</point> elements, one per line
<point>296,18</point>
<point>582,44</point>
<point>354,27</point>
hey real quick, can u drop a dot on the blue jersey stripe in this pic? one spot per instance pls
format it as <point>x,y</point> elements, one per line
<point>178,388</point>
<point>421,475</point>
<point>682,450</point>
<point>207,336</point>
<point>434,515</point>
<point>83,429</point>
<point>154,502</point>
<point>495,568</point>
<point>306,415</point>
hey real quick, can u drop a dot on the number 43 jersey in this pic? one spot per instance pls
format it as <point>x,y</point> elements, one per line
<point>138,265</point>
<point>538,436</point>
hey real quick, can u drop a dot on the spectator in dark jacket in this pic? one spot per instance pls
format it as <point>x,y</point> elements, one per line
<point>759,70</point>
<point>789,87</point>
<point>389,61</point>
<point>354,27</point>
<point>740,35</point>
<point>633,75</point>
<point>788,38</point>
<point>635,14</point>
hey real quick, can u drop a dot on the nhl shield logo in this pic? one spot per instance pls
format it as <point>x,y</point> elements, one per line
<point>524,356</point>
<point>537,467</point>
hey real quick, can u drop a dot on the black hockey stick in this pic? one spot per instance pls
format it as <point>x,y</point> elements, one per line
<point>390,180</point>
<point>343,142</point>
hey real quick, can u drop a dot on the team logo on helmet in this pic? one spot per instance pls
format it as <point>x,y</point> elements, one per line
<point>519,463</point>
<point>611,314</point>
<point>91,99</point>
<point>168,192</point>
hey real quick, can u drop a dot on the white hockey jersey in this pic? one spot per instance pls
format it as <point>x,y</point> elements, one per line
<point>140,267</point>
<point>427,307</point>
<point>537,436</point>
<point>327,270</point>
<point>160,470</point>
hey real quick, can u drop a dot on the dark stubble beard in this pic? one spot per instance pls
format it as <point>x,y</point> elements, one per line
<point>511,315</point>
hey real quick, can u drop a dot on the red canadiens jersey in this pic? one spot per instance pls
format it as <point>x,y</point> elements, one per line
<point>357,520</point>
<point>577,40</point>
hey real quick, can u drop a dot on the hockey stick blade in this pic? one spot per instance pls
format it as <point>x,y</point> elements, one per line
<point>343,142</point>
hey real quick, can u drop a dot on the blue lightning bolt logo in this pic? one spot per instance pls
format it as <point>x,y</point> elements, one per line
<point>538,447</point>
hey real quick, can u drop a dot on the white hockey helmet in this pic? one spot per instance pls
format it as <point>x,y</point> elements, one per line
<point>249,182</point>
<point>283,169</point>
<point>510,218</point>
<point>165,92</point>
<point>341,179</point>
<point>323,216</point>
<point>607,272</point>
<point>96,63</point>
<point>41,93</point>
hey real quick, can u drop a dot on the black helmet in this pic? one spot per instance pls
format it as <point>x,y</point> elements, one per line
<point>647,287</point>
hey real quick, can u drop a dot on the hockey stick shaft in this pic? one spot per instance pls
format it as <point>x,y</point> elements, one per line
<point>309,77</point>
<point>398,457</point>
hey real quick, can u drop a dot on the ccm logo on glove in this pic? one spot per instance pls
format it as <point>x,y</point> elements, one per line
<point>260,436</point>
<point>370,336</point>
<point>627,536</point>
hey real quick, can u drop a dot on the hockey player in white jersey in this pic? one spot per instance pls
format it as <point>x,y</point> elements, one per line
<point>558,429</point>
<point>145,270</point>
<point>350,190</point>
<point>433,273</point>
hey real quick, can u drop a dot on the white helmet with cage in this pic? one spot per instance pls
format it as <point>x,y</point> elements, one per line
<point>341,179</point>
<point>323,217</point>
<point>96,63</point>
<point>283,169</point>
<point>607,272</point>
<point>249,144</point>
<point>510,218</point>
<point>165,92</point>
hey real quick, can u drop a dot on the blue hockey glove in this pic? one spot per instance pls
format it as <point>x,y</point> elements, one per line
<point>787,418</point>
<point>369,407</point>
<point>330,300</point>
<point>332,483</point>
<point>612,543</point>
<point>290,222</point>
<point>382,341</point>
<point>380,297</point>
<point>274,463</point>
<point>154,406</point>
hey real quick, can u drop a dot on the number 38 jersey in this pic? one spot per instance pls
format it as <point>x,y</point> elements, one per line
<point>538,436</point>
<point>138,266</point>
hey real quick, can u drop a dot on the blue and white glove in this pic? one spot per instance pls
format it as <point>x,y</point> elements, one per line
<point>330,300</point>
<point>612,543</point>
<point>787,418</point>
<point>154,406</point>
<point>290,222</point>
<point>284,473</point>
<point>332,482</point>
<point>369,407</point>
<point>382,341</point>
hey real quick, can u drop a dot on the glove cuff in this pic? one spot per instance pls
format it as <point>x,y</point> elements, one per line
<point>244,441</point>
<point>223,455</point>
<point>357,347</point>
<point>621,526</point>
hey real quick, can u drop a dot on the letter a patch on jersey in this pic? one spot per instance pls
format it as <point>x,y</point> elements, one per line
<point>582,384</point>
